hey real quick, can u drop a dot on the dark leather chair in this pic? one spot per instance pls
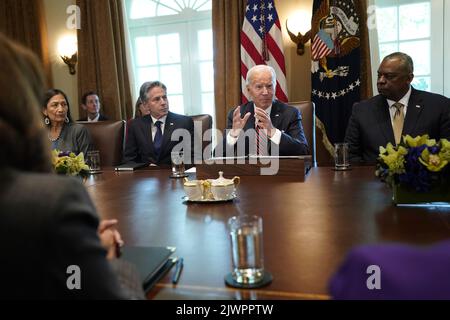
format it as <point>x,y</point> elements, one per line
<point>108,138</point>
<point>321,156</point>
<point>308,122</point>
<point>199,131</point>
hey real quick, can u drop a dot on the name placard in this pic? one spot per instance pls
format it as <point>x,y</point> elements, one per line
<point>293,166</point>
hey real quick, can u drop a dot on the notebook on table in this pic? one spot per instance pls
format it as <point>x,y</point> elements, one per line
<point>152,263</point>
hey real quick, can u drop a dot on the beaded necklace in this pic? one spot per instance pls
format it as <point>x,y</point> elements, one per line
<point>55,139</point>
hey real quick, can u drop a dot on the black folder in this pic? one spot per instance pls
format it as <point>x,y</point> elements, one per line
<point>152,263</point>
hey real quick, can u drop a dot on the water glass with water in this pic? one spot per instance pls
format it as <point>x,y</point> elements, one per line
<point>93,160</point>
<point>177,158</point>
<point>246,234</point>
<point>341,160</point>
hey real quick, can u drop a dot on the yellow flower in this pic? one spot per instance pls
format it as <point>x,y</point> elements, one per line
<point>445,149</point>
<point>432,162</point>
<point>55,157</point>
<point>404,166</point>
<point>418,141</point>
<point>394,159</point>
<point>69,164</point>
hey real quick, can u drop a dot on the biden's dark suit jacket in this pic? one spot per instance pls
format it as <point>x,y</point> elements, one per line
<point>370,124</point>
<point>285,118</point>
<point>48,223</point>
<point>139,143</point>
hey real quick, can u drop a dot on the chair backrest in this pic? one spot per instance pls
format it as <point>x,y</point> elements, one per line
<point>206,124</point>
<point>323,157</point>
<point>307,110</point>
<point>108,138</point>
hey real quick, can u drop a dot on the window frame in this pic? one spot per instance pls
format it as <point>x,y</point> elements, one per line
<point>446,53</point>
<point>436,42</point>
<point>187,24</point>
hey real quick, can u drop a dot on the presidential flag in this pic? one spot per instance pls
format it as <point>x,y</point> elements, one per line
<point>261,43</point>
<point>335,70</point>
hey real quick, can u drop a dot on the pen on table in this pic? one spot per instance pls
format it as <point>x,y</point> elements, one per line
<point>178,269</point>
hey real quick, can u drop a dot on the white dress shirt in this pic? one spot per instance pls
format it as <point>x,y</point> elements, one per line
<point>276,138</point>
<point>95,119</point>
<point>154,128</point>
<point>404,101</point>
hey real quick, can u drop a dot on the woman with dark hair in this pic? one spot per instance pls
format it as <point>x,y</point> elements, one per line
<point>64,134</point>
<point>50,234</point>
<point>141,109</point>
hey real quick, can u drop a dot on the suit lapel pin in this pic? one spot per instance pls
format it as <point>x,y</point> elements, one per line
<point>171,123</point>
<point>277,115</point>
<point>417,106</point>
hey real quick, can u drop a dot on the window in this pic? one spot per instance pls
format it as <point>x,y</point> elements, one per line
<point>416,28</point>
<point>171,41</point>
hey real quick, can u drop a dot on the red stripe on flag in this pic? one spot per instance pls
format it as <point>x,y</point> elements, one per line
<point>316,42</point>
<point>277,23</point>
<point>251,46</point>
<point>251,50</point>
<point>244,70</point>
<point>279,93</point>
<point>276,52</point>
<point>319,49</point>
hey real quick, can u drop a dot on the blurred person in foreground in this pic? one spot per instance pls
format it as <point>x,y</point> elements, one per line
<point>394,271</point>
<point>48,223</point>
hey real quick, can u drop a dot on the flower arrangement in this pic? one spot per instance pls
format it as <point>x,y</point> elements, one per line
<point>420,164</point>
<point>69,164</point>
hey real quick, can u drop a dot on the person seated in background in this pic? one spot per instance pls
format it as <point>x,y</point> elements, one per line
<point>48,223</point>
<point>140,109</point>
<point>273,122</point>
<point>91,104</point>
<point>398,110</point>
<point>394,271</point>
<point>64,134</point>
<point>149,138</point>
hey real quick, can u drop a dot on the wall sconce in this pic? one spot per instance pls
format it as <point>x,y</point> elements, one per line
<point>300,23</point>
<point>71,62</point>
<point>67,49</point>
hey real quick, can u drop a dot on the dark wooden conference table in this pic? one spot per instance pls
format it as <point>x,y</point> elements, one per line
<point>308,227</point>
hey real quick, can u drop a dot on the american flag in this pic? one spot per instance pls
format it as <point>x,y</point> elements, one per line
<point>261,43</point>
<point>322,45</point>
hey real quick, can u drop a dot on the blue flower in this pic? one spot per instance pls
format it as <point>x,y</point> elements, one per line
<point>64,153</point>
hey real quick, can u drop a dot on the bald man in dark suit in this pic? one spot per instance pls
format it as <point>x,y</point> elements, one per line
<point>373,122</point>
